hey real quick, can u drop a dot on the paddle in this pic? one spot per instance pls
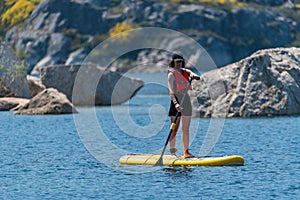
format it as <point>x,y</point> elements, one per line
<point>173,125</point>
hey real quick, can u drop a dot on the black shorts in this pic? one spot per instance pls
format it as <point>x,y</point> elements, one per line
<point>186,105</point>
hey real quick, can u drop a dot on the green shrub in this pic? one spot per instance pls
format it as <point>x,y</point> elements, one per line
<point>17,69</point>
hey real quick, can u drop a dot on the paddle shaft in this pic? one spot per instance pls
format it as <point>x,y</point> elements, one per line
<point>172,127</point>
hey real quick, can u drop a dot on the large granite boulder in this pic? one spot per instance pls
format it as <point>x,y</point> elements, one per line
<point>265,84</point>
<point>49,101</point>
<point>109,87</point>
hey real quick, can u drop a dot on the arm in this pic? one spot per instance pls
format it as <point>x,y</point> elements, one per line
<point>193,75</point>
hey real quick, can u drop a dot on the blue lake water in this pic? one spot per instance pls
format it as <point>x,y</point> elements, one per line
<point>49,157</point>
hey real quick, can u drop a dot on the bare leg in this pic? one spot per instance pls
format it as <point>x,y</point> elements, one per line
<point>186,121</point>
<point>173,135</point>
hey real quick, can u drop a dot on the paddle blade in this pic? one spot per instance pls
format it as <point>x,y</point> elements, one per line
<point>159,162</point>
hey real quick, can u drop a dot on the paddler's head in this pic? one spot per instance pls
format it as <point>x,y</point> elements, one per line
<point>177,60</point>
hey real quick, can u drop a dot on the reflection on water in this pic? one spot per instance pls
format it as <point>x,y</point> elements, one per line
<point>177,169</point>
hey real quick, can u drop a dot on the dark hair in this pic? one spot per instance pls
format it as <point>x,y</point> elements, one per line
<point>176,56</point>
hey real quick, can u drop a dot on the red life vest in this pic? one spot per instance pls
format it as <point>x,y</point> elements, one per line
<point>181,79</point>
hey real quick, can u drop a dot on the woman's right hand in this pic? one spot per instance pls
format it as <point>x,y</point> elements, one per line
<point>178,107</point>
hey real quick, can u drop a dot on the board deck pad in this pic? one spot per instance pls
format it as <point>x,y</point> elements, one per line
<point>171,160</point>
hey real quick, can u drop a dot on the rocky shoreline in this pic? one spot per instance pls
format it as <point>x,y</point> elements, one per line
<point>267,83</point>
<point>53,92</point>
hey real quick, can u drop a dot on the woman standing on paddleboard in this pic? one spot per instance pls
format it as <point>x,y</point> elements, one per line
<point>178,83</point>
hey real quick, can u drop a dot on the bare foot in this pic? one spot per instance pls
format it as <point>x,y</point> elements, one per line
<point>187,154</point>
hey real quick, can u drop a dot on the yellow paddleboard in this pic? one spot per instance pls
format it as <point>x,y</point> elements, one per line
<point>170,160</point>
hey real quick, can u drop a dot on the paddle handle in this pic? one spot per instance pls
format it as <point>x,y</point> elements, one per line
<point>172,127</point>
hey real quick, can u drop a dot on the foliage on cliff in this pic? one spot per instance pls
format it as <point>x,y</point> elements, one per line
<point>9,66</point>
<point>15,11</point>
<point>120,30</point>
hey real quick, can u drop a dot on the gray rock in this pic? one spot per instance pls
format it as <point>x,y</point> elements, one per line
<point>7,58</point>
<point>55,16</point>
<point>49,101</point>
<point>46,61</point>
<point>9,103</point>
<point>18,85</point>
<point>34,44</point>
<point>113,88</point>
<point>266,2</point>
<point>264,84</point>
<point>12,74</point>
<point>35,85</point>
<point>77,57</point>
<point>58,49</point>
<point>4,90</point>
<point>59,45</point>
